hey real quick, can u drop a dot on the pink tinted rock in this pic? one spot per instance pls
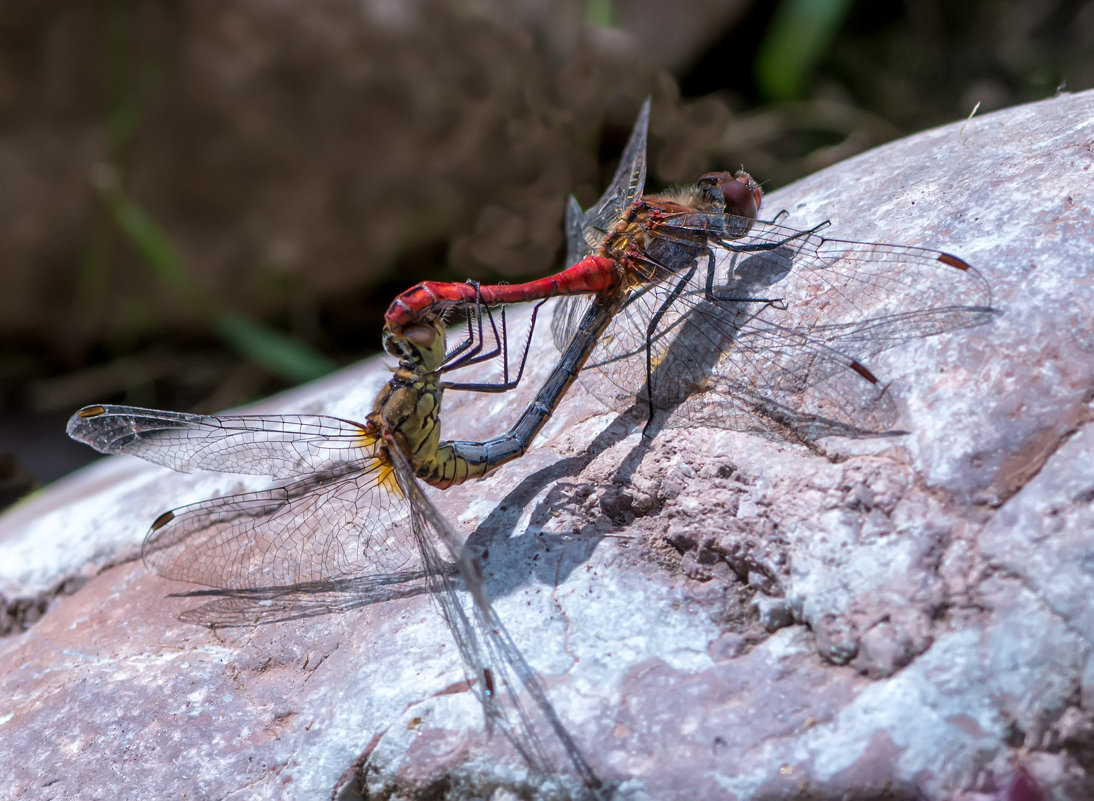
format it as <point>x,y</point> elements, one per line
<point>714,615</point>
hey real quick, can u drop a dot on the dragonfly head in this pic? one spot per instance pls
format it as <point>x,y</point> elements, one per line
<point>739,198</point>
<point>740,193</point>
<point>418,345</point>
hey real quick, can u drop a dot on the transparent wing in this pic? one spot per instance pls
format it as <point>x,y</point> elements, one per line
<point>585,231</point>
<point>494,664</point>
<point>355,528</point>
<point>341,519</point>
<point>263,605</point>
<point>780,333</point>
<point>626,185</point>
<point>326,527</point>
<point>577,247</point>
<point>279,446</point>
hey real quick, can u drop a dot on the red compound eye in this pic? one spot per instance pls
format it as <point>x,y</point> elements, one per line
<point>421,335</point>
<point>742,194</point>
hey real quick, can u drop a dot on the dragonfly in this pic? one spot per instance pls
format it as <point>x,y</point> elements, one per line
<point>685,302</point>
<point>351,523</point>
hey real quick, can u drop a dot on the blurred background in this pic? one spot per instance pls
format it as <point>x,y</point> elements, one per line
<point>205,201</point>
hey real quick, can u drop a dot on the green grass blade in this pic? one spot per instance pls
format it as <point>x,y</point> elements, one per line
<point>800,34</point>
<point>281,354</point>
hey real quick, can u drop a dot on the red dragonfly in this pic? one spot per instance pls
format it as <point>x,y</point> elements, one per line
<point>687,303</point>
<point>351,527</point>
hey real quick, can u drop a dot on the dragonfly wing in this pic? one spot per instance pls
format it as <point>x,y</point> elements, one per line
<point>254,607</point>
<point>327,527</point>
<point>767,379</point>
<point>568,314</point>
<point>626,185</point>
<point>279,446</point>
<point>783,329</point>
<point>494,664</point>
<point>585,231</point>
<point>846,281</point>
<point>577,247</point>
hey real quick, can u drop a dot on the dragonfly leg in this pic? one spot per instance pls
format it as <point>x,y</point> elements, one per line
<point>651,329</point>
<point>714,297</point>
<point>759,247</point>
<point>507,383</point>
<point>470,350</point>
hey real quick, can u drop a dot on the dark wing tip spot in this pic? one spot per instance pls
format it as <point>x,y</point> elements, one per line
<point>862,371</point>
<point>163,520</point>
<point>91,411</point>
<point>953,261</point>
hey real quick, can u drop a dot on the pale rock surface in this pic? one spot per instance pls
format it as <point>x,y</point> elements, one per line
<point>715,615</point>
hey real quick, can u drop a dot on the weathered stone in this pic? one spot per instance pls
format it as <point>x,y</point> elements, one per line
<point>936,639</point>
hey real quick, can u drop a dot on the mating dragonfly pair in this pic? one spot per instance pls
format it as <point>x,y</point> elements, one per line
<point>685,302</point>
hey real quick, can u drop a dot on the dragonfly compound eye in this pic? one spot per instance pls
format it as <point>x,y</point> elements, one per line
<point>742,194</point>
<point>421,335</point>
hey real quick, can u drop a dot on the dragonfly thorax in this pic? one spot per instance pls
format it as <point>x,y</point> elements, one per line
<point>666,233</point>
<point>408,407</point>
